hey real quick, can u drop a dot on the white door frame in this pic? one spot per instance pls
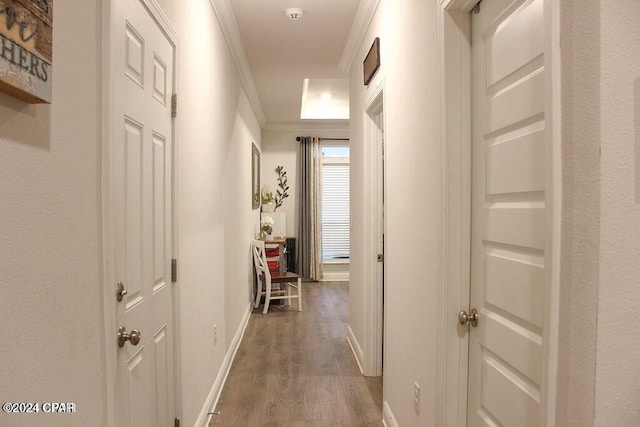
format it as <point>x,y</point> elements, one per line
<point>373,308</point>
<point>108,246</point>
<point>455,74</point>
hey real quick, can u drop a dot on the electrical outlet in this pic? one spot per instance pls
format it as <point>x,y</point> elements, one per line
<point>215,334</point>
<point>416,397</point>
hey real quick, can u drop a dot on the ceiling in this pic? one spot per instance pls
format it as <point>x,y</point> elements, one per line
<point>282,53</point>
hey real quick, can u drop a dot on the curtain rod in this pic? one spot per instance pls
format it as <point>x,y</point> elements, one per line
<point>299,138</point>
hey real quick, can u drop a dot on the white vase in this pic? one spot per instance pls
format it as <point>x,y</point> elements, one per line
<point>279,223</point>
<point>268,207</point>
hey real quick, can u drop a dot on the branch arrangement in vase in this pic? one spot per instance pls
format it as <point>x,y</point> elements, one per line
<point>282,193</point>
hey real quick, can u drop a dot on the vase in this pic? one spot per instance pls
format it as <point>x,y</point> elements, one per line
<point>264,235</point>
<point>268,207</point>
<point>279,223</point>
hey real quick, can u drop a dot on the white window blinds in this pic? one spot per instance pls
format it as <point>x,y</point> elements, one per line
<point>335,208</point>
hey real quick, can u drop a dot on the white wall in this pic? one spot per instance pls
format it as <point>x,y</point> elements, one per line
<point>599,359</point>
<point>599,283</point>
<point>580,50</point>
<point>408,51</point>
<point>618,348</point>
<point>280,148</point>
<point>240,220</point>
<point>50,226</point>
<point>50,221</point>
<point>216,221</point>
<point>50,245</point>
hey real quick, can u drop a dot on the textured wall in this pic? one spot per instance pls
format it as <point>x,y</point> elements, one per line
<point>215,219</point>
<point>414,209</point>
<point>408,51</point>
<point>358,97</point>
<point>580,56</point>
<point>240,220</point>
<point>50,267</point>
<point>618,360</point>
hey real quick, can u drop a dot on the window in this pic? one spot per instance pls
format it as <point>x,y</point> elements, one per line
<point>335,203</point>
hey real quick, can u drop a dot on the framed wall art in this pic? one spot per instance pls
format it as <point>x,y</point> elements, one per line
<point>255,177</point>
<point>372,62</point>
<point>26,35</point>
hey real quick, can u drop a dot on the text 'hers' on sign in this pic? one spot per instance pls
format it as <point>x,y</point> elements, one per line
<point>26,66</point>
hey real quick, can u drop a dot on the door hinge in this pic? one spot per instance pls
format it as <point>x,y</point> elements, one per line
<point>176,423</point>
<point>174,105</point>
<point>476,8</point>
<point>380,257</point>
<point>174,270</point>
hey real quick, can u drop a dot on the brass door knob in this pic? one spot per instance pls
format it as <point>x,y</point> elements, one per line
<point>472,317</point>
<point>133,337</point>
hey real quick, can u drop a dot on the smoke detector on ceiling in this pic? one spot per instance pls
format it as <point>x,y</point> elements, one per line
<point>294,13</point>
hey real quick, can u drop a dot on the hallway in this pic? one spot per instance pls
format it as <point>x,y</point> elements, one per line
<point>75,238</point>
<point>297,369</point>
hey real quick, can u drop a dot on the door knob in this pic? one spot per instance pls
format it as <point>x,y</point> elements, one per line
<point>472,317</point>
<point>133,337</point>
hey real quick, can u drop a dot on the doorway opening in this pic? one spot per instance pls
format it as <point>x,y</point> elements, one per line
<point>139,216</point>
<point>374,169</point>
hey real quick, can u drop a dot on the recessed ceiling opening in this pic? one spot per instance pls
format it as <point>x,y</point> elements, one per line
<point>325,99</point>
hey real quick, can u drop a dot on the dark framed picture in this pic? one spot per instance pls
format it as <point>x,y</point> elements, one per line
<point>255,177</point>
<point>372,61</point>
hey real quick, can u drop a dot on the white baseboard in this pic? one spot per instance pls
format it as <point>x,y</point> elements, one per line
<point>335,272</point>
<point>334,278</point>
<point>388,420</point>
<point>355,348</point>
<point>212,400</point>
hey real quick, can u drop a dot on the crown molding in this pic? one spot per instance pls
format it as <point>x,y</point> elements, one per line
<point>337,127</point>
<point>364,16</point>
<point>458,5</point>
<point>229,25</point>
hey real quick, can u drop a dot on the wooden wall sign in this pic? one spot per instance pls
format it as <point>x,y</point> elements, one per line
<point>26,66</point>
<point>372,61</point>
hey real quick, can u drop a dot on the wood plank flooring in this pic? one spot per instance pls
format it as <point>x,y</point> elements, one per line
<point>296,368</point>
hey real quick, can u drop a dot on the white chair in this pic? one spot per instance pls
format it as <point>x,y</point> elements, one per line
<point>266,278</point>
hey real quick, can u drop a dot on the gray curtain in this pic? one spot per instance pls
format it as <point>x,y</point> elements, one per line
<point>309,254</point>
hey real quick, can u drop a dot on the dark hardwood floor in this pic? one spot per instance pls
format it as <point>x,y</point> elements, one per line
<point>296,368</point>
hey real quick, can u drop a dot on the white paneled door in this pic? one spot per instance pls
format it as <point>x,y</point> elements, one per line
<point>508,214</point>
<point>141,174</point>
